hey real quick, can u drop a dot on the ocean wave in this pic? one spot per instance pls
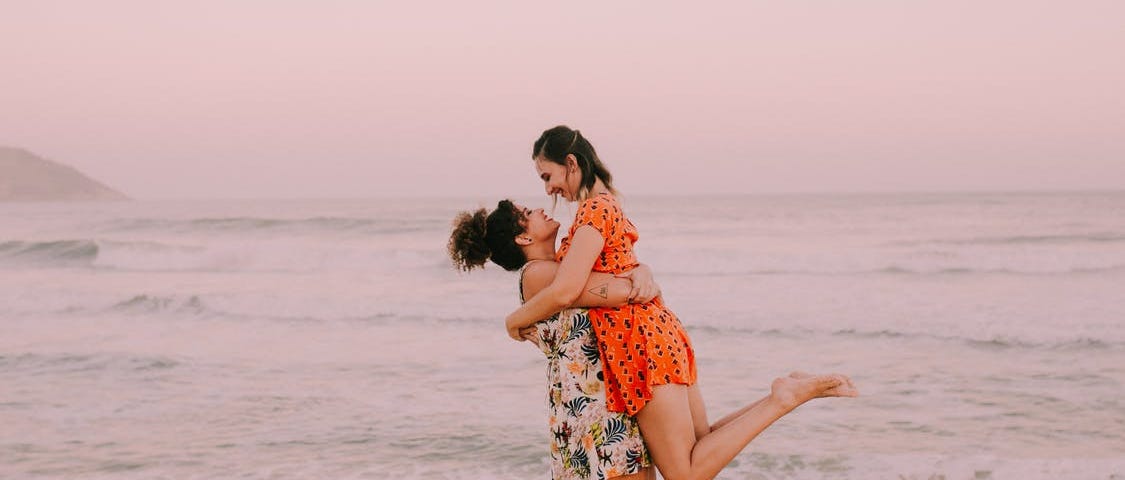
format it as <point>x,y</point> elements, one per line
<point>901,270</point>
<point>284,255</point>
<point>897,270</point>
<point>920,466</point>
<point>990,342</point>
<point>1099,237</point>
<point>185,305</point>
<point>56,253</point>
<point>359,225</point>
<point>143,304</point>
<point>195,306</point>
<point>995,341</point>
<point>70,362</point>
<point>85,252</point>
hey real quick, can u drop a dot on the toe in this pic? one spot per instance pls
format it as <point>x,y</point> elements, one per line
<point>828,381</point>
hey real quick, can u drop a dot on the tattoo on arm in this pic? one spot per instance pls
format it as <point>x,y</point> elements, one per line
<point>600,290</point>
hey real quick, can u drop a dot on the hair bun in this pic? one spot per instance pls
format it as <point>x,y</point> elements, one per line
<point>467,245</point>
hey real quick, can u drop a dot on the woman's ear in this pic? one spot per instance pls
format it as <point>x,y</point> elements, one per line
<point>523,240</point>
<point>571,162</point>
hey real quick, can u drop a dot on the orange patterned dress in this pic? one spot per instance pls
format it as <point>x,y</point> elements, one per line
<point>641,345</point>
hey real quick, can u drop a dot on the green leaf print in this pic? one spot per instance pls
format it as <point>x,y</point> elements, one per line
<point>633,460</point>
<point>579,326</point>
<point>615,431</point>
<point>592,355</point>
<point>576,405</point>
<point>580,463</point>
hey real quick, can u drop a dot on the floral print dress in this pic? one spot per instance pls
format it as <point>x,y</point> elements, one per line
<point>587,440</point>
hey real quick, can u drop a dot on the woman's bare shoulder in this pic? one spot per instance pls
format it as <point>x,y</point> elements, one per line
<point>540,269</point>
<point>537,275</point>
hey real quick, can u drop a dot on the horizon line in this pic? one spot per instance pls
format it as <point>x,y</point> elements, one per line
<point>810,193</point>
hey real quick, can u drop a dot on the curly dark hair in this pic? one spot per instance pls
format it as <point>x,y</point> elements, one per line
<point>480,236</point>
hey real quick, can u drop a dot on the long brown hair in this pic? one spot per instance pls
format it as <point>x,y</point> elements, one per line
<point>558,142</point>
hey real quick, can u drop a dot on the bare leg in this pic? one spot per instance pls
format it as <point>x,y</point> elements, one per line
<point>730,417</point>
<point>648,473</point>
<point>668,424</point>
<point>698,412</point>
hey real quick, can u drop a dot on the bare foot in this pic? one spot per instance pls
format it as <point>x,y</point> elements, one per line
<point>798,388</point>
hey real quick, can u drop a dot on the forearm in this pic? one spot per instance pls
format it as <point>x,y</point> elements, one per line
<point>544,304</point>
<point>604,290</point>
<point>572,274</point>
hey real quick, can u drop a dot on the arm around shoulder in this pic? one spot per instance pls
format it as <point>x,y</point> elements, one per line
<point>601,289</point>
<point>566,287</point>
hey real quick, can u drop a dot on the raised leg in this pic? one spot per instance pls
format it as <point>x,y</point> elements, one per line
<point>668,423</point>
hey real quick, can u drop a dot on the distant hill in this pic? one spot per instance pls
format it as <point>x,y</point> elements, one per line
<point>26,177</point>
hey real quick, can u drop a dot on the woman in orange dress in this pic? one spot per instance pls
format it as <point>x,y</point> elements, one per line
<point>649,363</point>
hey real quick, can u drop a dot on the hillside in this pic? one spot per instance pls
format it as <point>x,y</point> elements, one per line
<point>26,177</point>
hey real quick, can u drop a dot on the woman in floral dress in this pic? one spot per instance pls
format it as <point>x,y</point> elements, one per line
<point>587,441</point>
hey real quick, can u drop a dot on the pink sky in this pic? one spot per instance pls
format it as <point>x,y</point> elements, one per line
<point>346,98</point>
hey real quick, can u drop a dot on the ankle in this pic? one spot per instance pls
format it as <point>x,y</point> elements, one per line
<point>784,400</point>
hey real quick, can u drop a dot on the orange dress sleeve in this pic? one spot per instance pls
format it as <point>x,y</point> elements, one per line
<point>604,214</point>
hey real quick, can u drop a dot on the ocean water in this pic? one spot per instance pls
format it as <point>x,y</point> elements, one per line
<point>333,339</point>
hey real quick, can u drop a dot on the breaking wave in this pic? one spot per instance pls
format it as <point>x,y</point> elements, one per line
<point>55,253</point>
<point>242,256</point>
<point>1060,239</point>
<point>276,225</point>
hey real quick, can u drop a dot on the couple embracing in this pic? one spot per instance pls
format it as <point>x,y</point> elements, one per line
<point>622,387</point>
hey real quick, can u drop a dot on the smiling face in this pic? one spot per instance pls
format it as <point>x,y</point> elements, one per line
<point>537,225</point>
<point>558,179</point>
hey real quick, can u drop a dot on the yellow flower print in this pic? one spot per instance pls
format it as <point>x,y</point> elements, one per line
<point>574,367</point>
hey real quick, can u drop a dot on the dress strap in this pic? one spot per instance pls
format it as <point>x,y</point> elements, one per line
<point>522,269</point>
